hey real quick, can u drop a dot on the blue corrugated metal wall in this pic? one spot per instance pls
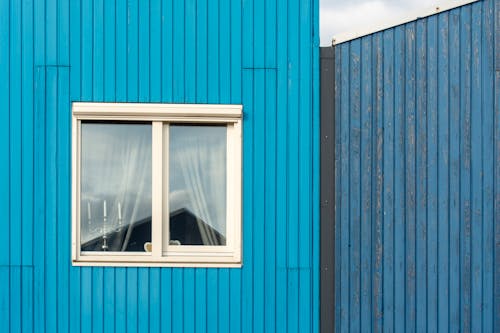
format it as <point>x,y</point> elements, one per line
<point>260,53</point>
<point>418,176</point>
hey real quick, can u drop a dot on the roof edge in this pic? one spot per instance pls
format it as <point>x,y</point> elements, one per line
<point>414,16</point>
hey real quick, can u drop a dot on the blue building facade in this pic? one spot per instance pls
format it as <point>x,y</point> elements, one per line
<point>261,54</point>
<point>417,124</point>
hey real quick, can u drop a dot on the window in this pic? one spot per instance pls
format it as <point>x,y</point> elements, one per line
<point>156,185</point>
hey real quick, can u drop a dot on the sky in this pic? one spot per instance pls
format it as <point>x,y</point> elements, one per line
<point>338,17</point>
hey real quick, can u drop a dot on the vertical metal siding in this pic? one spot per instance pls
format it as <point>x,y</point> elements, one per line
<point>193,51</point>
<point>418,192</point>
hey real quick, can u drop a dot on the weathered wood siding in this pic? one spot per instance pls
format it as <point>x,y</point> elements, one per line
<point>418,176</point>
<point>262,54</point>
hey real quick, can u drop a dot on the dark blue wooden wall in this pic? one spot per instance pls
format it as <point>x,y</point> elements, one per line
<point>262,54</point>
<point>418,176</point>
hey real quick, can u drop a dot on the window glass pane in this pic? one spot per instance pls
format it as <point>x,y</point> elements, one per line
<point>197,184</point>
<point>115,203</point>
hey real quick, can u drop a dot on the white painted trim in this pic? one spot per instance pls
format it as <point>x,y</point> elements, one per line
<point>158,264</point>
<point>155,111</point>
<point>160,115</point>
<point>415,15</point>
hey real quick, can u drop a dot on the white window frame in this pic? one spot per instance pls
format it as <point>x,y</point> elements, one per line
<point>164,254</point>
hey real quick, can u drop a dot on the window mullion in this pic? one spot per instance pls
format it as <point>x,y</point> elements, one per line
<point>165,187</point>
<point>157,192</point>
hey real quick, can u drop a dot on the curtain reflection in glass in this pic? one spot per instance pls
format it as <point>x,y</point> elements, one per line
<point>197,184</point>
<point>115,202</point>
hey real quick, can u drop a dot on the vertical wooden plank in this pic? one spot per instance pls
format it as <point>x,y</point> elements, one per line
<point>39,31</point>
<point>177,300</point>
<point>223,301</point>
<point>344,190</point>
<point>166,297</point>
<point>259,228</point>
<point>212,300</point>
<point>155,23</point>
<point>63,30</point>
<point>399,179</point>
<point>236,62</point>
<point>189,300</point>
<point>224,51</point>
<point>281,165</point>
<point>155,287</point>
<point>465,167</point>
<point>27,302</point>
<point>121,300</point>
<point>27,149</point>
<point>270,40</point>
<point>86,300</point>
<point>432,174</point>
<point>201,51</point>
<point>5,299</point>
<point>5,133</point>
<point>270,201</point>
<point>455,134</point>
<point>121,55</point>
<point>421,176</point>
<point>109,300</point>
<point>293,157</point>
<point>443,175</point>
<point>98,50</point>
<point>354,184</point>
<point>98,305</point>
<point>51,200</point>
<point>190,53</point>
<point>15,130</point>
<point>109,51</point>
<point>410,105</point>
<point>213,55</point>
<point>488,155</point>
<point>143,306</point>
<point>132,50</point>
<point>377,187</point>
<point>259,33</point>
<point>167,49</point>
<point>63,256</point>
<point>15,299</point>
<point>51,42</point>
<point>86,50</point>
<point>178,49</point>
<point>365,183</point>
<point>132,297</point>
<point>247,37</point>
<point>39,200</point>
<point>248,208</point>
<point>388,187</point>
<point>305,172</point>
<point>200,312</point>
<point>144,36</point>
<point>476,155</point>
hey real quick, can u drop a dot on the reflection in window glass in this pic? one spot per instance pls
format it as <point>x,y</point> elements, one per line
<point>115,202</point>
<point>197,184</point>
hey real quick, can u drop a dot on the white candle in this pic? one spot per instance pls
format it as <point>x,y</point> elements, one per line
<point>119,211</point>
<point>104,208</point>
<point>88,209</point>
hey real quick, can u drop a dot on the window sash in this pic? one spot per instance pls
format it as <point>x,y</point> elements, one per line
<point>163,253</point>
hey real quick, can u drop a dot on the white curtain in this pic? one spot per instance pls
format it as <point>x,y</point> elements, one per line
<point>198,177</point>
<point>116,173</point>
